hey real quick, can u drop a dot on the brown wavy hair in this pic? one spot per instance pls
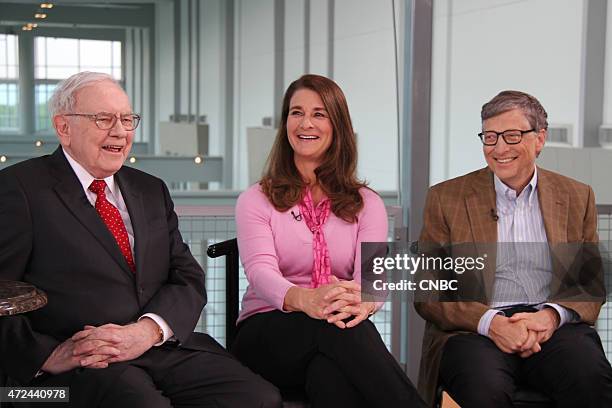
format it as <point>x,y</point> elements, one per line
<point>337,174</point>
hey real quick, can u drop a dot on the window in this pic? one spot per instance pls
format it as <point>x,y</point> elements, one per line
<point>58,58</point>
<point>42,93</point>
<point>9,86</point>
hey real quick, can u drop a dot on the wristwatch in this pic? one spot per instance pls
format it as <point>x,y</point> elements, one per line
<point>160,332</point>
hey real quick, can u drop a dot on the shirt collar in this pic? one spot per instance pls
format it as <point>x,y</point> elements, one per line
<point>502,190</point>
<point>85,178</point>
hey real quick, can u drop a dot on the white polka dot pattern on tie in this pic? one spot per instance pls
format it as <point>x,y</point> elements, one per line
<point>111,217</point>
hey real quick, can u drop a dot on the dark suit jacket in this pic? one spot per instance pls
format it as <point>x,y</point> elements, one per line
<point>459,211</point>
<point>52,237</point>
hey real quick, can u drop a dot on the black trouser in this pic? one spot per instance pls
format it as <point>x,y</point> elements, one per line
<point>167,376</point>
<point>571,368</point>
<point>335,367</point>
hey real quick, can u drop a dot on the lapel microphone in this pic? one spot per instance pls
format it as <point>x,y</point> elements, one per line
<point>494,215</point>
<point>297,217</point>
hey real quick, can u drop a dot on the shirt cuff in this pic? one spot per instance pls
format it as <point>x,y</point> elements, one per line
<point>485,321</point>
<point>565,315</point>
<point>166,330</point>
<point>283,294</point>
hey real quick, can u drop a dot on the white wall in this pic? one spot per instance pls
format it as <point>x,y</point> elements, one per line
<point>211,85</point>
<point>482,47</point>
<point>588,165</point>
<point>318,37</point>
<point>294,41</point>
<point>607,103</point>
<point>254,85</point>
<point>164,63</point>
<point>364,67</point>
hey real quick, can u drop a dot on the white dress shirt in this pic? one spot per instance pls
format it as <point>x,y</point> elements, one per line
<point>113,195</point>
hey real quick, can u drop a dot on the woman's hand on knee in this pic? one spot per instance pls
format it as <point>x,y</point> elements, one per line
<point>365,310</point>
<point>342,301</point>
<point>313,302</point>
<point>347,304</point>
<point>360,311</point>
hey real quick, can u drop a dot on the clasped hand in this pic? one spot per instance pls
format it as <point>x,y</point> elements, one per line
<point>333,302</point>
<point>523,333</point>
<point>97,347</point>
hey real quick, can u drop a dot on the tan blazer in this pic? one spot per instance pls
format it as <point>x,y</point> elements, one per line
<point>459,211</point>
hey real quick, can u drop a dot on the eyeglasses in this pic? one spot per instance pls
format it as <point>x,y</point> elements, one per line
<point>512,136</point>
<point>105,120</point>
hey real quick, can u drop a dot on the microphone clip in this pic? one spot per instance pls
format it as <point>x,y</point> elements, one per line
<point>297,217</point>
<point>494,215</point>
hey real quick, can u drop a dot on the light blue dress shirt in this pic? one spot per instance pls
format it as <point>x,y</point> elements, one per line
<point>523,264</point>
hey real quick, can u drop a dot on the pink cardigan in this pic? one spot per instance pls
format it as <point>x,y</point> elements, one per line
<point>276,249</point>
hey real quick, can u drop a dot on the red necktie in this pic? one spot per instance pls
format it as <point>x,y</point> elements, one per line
<point>111,217</point>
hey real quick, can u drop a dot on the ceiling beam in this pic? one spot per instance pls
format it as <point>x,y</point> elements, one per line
<point>87,33</point>
<point>81,15</point>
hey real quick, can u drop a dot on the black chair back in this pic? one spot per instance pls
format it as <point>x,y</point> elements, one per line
<point>229,249</point>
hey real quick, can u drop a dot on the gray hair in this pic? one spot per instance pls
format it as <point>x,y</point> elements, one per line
<point>63,99</point>
<point>508,100</point>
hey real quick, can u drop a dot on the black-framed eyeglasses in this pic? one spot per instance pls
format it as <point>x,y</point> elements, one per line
<point>105,120</point>
<point>511,136</point>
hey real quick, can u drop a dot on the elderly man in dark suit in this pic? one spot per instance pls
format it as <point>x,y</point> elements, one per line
<point>522,331</point>
<point>124,292</point>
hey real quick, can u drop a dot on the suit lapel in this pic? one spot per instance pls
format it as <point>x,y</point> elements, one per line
<point>70,192</point>
<point>481,208</point>
<point>554,204</point>
<point>479,205</point>
<point>134,202</point>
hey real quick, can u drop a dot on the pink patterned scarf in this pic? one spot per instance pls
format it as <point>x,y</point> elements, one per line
<point>315,219</point>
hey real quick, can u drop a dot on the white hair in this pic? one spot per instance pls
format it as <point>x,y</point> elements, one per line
<point>63,99</point>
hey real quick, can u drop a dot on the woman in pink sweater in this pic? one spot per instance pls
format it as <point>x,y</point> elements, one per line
<point>303,325</point>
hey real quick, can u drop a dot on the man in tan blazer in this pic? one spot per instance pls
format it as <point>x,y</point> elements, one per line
<point>521,332</point>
